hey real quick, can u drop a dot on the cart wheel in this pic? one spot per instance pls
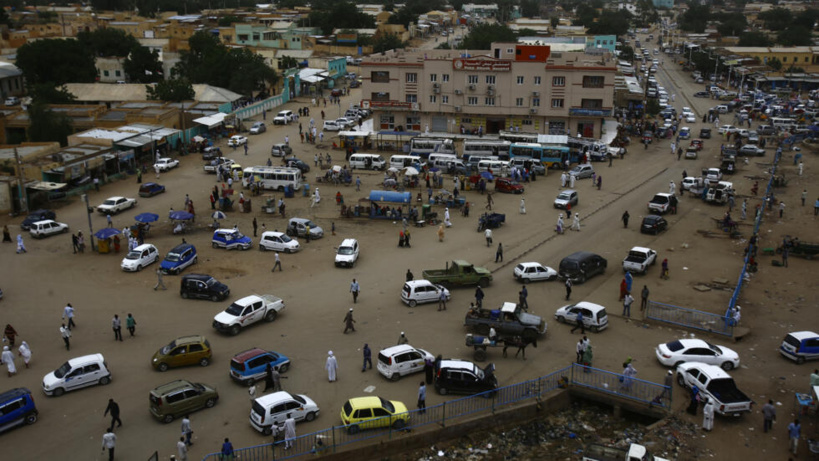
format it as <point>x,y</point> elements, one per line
<point>479,355</point>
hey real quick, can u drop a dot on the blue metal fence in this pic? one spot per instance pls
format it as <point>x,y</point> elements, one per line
<point>689,318</point>
<point>621,385</point>
<point>338,436</point>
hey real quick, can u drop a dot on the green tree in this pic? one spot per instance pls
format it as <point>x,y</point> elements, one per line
<point>695,18</point>
<point>775,64</point>
<point>108,42</point>
<point>143,66</point>
<point>807,18</point>
<point>647,15</point>
<point>653,107</point>
<point>288,62</point>
<point>413,8</point>
<point>530,8</point>
<point>627,53</point>
<point>554,21</point>
<point>754,39</point>
<point>50,94</point>
<point>174,89</point>
<point>776,19</point>
<point>56,62</point>
<point>338,15</point>
<point>386,42</point>
<point>795,36</point>
<point>227,21</point>
<point>249,72</point>
<point>47,125</point>
<point>732,24</point>
<point>481,36</point>
<point>611,23</point>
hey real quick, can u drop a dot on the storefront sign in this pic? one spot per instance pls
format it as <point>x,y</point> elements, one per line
<point>481,65</point>
<point>590,112</point>
<point>392,105</point>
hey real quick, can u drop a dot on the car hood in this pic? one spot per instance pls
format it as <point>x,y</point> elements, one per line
<point>529,319</point>
<point>169,264</point>
<point>225,318</point>
<point>220,287</point>
<point>50,380</point>
<point>344,258</point>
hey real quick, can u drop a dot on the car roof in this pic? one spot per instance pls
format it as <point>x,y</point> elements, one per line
<point>228,230</point>
<point>395,350</point>
<point>181,247</point>
<point>348,242</point>
<point>567,191</point>
<point>530,264</point>
<point>652,217</point>
<point>640,249</point>
<point>144,246</point>
<point>116,197</point>
<point>273,233</point>
<point>171,386</point>
<point>689,343</point>
<point>202,277</point>
<point>365,402</point>
<point>13,393</point>
<point>85,359</point>
<point>270,400</point>
<point>590,306</point>
<point>244,356</point>
<point>800,335</point>
<point>419,282</point>
<point>458,363</point>
<point>190,339</point>
<point>43,221</point>
<point>713,371</point>
<point>580,255</point>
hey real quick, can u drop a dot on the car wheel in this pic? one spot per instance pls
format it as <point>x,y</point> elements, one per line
<point>139,267</point>
<point>399,424</point>
<point>214,298</point>
<point>680,379</point>
<point>261,248</point>
<point>196,259</point>
<point>210,403</point>
<point>284,368</point>
<point>310,416</point>
<point>270,316</point>
<point>163,366</point>
<point>800,360</point>
<point>204,362</point>
<point>484,282</point>
<point>442,390</point>
<point>215,245</point>
<point>105,380</point>
<point>58,392</point>
<point>561,320</point>
<point>235,329</point>
<point>727,366</point>
<point>31,418</point>
<point>267,431</point>
<point>167,419</point>
<point>413,303</point>
<point>184,295</point>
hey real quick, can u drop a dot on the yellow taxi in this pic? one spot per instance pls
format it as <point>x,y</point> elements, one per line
<point>373,412</point>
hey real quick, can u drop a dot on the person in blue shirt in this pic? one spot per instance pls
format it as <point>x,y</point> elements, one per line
<point>227,450</point>
<point>794,430</point>
<point>579,320</point>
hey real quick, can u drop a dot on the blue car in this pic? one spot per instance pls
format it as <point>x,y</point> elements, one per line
<point>17,409</point>
<point>800,346</point>
<point>250,366</point>
<point>178,259</point>
<point>149,189</point>
<point>231,239</point>
<point>35,216</point>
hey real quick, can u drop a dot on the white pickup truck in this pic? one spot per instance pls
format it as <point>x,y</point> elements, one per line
<point>248,311</point>
<point>715,384</point>
<point>639,259</point>
<point>214,164</point>
<point>635,452</point>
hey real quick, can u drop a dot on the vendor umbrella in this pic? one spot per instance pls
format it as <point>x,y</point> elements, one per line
<point>411,171</point>
<point>181,215</point>
<point>106,233</point>
<point>218,215</point>
<point>487,175</point>
<point>392,170</point>
<point>146,217</point>
<point>198,139</point>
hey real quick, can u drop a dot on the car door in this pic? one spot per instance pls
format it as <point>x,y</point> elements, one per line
<point>278,413</point>
<point>810,348</point>
<point>700,354</point>
<point>257,366</point>
<point>295,409</point>
<point>276,242</point>
<point>364,414</point>
<point>200,289</point>
<point>588,317</point>
<point>73,379</point>
<point>196,352</point>
<point>541,273</point>
<point>415,362</point>
<point>383,416</point>
<point>177,357</point>
<point>91,374</point>
<point>403,363</point>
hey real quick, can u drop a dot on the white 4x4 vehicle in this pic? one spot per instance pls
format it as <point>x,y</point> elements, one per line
<point>660,203</point>
<point>347,253</point>
<point>42,229</point>
<point>397,361</point>
<point>248,311</point>
<point>283,118</point>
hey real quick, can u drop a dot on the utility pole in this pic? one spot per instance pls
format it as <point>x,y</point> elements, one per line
<point>22,194</point>
<point>88,210</point>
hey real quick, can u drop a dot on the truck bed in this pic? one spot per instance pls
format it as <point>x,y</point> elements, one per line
<point>725,391</point>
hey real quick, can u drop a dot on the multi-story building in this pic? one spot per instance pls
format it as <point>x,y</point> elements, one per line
<point>510,86</point>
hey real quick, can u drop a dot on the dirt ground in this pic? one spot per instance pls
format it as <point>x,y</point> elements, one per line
<point>37,285</point>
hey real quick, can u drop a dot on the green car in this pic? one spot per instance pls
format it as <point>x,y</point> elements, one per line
<point>178,398</point>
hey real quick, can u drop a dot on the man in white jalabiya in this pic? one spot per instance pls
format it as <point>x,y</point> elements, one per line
<point>25,353</point>
<point>331,366</point>
<point>522,206</point>
<point>8,359</point>
<point>576,222</point>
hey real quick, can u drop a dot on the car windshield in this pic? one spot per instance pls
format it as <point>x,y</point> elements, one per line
<point>311,224</point>
<point>172,257</point>
<point>714,348</point>
<point>674,346</point>
<point>133,255</point>
<point>345,250</point>
<point>235,309</point>
<point>63,370</point>
<point>299,399</point>
<point>564,196</point>
<point>285,238</point>
<point>211,282</point>
<point>387,405</point>
<point>109,202</point>
<point>167,349</point>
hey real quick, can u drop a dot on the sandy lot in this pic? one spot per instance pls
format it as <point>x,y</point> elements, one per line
<point>38,284</point>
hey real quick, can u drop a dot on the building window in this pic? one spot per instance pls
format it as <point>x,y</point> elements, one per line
<point>445,99</point>
<point>489,101</point>
<point>510,50</point>
<point>433,98</point>
<point>557,127</point>
<point>444,77</point>
<point>519,102</point>
<point>255,36</point>
<point>490,79</point>
<point>412,78</point>
<point>806,59</point>
<point>472,79</point>
<point>592,104</point>
<point>118,73</point>
<point>380,96</point>
<point>593,81</point>
<point>557,103</point>
<point>535,102</point>
<point>105,73</point>
<point>412,98</point>
<point>520,79</point>
<point>558,81</point>
<point>466,120</point>
<point>527,121</point>
<point>414,123</point>
<point>537,80</point>
<point>433,77</point>
<point>380,76</point>
<point>388,122</point>
<point>242,37</point>
<point>472,101</point>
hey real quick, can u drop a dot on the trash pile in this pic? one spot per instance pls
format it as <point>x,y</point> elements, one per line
<point>563,436</point>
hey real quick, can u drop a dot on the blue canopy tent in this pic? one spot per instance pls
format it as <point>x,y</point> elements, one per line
<point>382,204</point>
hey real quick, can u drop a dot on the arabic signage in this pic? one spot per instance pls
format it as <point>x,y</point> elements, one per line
<point>590,112</point>
<point>393,105</point>
<point>481,65</point>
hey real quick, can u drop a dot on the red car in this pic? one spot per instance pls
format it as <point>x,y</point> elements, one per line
<point>508,185</point>
<point>696,144</point>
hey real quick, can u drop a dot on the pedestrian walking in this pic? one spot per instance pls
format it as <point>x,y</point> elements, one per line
<point>349,321</point>
<point>66,335</point>
<point>227,450</point>
<point>442,301</point>
<point>289,431</point>
<point>269,383</point>
<point>7,358</point>
<point>804,196</point>
<point>130,324</point>
<point>255,226</point>
<point>21,247</point>
<point>331,366</point>
<point>181,447</point>
<point>109,441</point>
<point>629,372</point>
<point>499,253</point>
<point>576,222</point>
<point>488,235</point>
<point>785,256</point>
<point>489,201</point>
<point>422,398</point>
<point>800,168</point>
<point>159,283</point>
<point>187,431</point>
<point>664,272</point>
<point>579,351</point>
<point>781,209</point>
<point>116,325</point>
<point>25,353</point>
<point>355,289</point>
<point>278,262</point>
<point>368,358</point>
<point>429,369</point>
<point>580,324</point>
<point>402,339</point>
<point>627,301</point>
<point>625,219</point>
<point>6,234</point>
<point>523,298</point>
<point>644,298</point>
<point>9,335</point>
<point>68,315</point>
<point>599,182</point>
<point>708,415</point>
<point>108,218</point>
<point>794,431</point>
<point>74,243</point>
<point>479,297</point>
<point>113,408</point>
<point>522,206</point>
<point>768,415</point>
<point>568,288</point>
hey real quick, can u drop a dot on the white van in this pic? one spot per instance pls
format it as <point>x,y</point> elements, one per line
<point>441,160</point>
<point>76,373</point>
<point>367,162</point>
<point>498,167</point>
<point>403,161</point>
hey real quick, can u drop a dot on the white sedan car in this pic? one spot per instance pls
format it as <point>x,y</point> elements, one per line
<point>331,125</point>
<point>113,205</point>
<point>278,241</point>
<point>696,350</point>
<point>726,129</point>
<point>165,164</point>
<point>689,117</point>
<point>237,140</point>
<point>534,272</point>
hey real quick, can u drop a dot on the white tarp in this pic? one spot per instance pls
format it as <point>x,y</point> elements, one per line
<point>211,120</point>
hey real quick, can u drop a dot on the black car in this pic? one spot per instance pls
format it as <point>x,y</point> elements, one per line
<point>581,266</point>
<point>37,215</point>
<point>705,133</point>
<point>702,94</point>
<point>653,224</point>
<point>454,376</point>
<point>203,286</point>
<point>293,162</point>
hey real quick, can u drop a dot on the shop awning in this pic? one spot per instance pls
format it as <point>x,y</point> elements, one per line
<point>48,186</point>
<point>211,120</point>
<point>354,134</point>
